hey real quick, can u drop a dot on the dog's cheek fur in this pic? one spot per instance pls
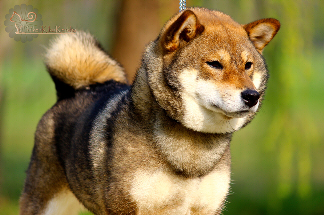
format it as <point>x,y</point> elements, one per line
<point>195,115</point>
<point>168,99</point>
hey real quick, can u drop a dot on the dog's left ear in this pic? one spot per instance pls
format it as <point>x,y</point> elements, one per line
<point>262,31</point>
<point>183,30</point>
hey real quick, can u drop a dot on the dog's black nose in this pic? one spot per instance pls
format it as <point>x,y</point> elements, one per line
<point>250,97</point>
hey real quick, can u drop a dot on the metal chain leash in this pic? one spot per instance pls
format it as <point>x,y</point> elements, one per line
<point>182,6</point>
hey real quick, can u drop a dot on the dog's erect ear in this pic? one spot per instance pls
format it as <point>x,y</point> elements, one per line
<point>262,31</point>
<point>183,30</point>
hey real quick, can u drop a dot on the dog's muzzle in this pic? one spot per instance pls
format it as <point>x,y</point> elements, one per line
<point>250,97</point>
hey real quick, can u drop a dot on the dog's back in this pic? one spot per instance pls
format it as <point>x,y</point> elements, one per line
<point>88,82</point>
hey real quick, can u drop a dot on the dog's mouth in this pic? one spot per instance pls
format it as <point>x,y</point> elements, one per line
<point>238,114</point>
<point>234,114</point>
<point>235,111</point>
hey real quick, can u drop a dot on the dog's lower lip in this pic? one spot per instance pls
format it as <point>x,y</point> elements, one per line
<point>236,114</point>
<point>230,113</point>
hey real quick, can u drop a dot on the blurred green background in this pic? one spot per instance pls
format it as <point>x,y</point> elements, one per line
<point>277,161</point>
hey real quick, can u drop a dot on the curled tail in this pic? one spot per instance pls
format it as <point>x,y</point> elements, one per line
<point>77,60</point>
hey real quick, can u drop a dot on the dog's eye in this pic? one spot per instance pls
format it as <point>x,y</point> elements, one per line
<point>215,64</point>
<point>248,65</point>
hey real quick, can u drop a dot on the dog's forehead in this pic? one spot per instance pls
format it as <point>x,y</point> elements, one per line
<point>218,21</point>
<point>222,32</point>
<point>224,46</point>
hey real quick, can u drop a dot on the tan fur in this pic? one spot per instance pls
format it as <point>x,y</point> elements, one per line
<point>262,31</point>
<point>161,146</point>
<point>163,192</point>
<point>63,203</point>
<point>50,184</point>
<point>214,45</point>
<point>77,60</point>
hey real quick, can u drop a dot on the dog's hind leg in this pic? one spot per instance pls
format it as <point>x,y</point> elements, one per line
<point>48,197</point>
<point>63,203</point>
<point>46,189</point>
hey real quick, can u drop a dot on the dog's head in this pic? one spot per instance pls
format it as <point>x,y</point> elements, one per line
<point>207,71</point>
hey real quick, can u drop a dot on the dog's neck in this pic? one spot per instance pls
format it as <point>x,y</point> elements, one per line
<point>189,153</point>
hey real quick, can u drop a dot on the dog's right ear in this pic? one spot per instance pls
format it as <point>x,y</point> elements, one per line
<point>262,31</point>
<point>183,30</point>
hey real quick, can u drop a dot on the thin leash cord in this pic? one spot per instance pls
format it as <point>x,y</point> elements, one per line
<point>182,5</point>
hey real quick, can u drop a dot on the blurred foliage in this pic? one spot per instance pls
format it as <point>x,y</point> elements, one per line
<point>277,160</point>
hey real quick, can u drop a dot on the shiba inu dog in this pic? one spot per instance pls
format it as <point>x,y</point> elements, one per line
<point>161,145</point>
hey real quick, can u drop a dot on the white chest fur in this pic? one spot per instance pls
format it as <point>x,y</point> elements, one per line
<point>162,192</point>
